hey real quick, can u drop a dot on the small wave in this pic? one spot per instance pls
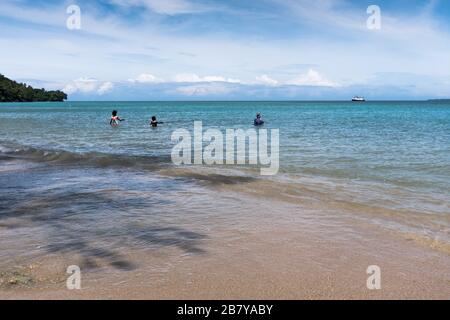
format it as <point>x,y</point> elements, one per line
<point>211,176</point>
<point>96,159</point>
<point>435,243</point>
<point>4,149</point>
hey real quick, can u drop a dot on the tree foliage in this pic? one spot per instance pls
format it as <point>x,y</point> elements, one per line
<point>12,91</point>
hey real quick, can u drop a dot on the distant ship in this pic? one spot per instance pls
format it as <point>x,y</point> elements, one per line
<point>358,99</point>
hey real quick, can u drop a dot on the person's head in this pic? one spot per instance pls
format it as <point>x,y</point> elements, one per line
<point>258,115</point>
<point>114,113</point>
<point>153,118</point>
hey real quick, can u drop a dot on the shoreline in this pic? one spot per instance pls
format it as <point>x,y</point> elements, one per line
<point>263,259</point>
<point>112,203</point>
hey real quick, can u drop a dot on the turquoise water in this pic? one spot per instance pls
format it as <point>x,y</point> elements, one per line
<point>404,143</point>
<point>393,157</point>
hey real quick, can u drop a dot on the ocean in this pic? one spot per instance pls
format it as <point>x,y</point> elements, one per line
<point>71,183</point>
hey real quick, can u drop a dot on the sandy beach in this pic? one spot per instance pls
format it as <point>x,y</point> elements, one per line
<point>112,202</point>
<point>305,255</point>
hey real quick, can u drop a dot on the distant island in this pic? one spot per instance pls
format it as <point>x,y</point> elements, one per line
<point>12,91</point>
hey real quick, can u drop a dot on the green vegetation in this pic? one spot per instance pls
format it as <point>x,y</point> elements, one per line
<point>11,91</point>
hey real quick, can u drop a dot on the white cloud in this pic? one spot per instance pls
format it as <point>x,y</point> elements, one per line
<point>182,78</point>
<point>265,79</point>
<point>165,7</point>
<point>312,78</point>
<point>192,77</point>
<point>146,78</point>
<point>105,88</point>
<point>88,85</point>
<point>85,85</point>
<point>204,90</point>
<point>326,13</point>
<point>231,80</point>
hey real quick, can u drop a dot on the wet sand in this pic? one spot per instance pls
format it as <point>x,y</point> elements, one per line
<point>183,234</point>
<point>300,256</point>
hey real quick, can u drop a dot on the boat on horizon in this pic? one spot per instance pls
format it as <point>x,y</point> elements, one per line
<point>358,99</point>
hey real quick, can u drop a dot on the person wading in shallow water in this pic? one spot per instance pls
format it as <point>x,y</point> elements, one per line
<point>258,121</point>
<point>115,119</point>
<point>154,123</point>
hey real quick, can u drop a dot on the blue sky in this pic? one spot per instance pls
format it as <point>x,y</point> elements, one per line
<point>230,49</point>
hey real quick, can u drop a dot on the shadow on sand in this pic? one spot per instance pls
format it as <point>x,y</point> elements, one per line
<point>98,227</point>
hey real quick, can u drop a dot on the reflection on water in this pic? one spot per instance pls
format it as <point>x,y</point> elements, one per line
<point>93,212</point>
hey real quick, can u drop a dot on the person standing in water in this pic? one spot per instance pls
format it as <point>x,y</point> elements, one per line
<point>115,119</point>
<point>154,123</point>
<point>258,121</point>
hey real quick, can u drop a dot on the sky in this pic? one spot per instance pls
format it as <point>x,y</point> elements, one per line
<point>229,49</point>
